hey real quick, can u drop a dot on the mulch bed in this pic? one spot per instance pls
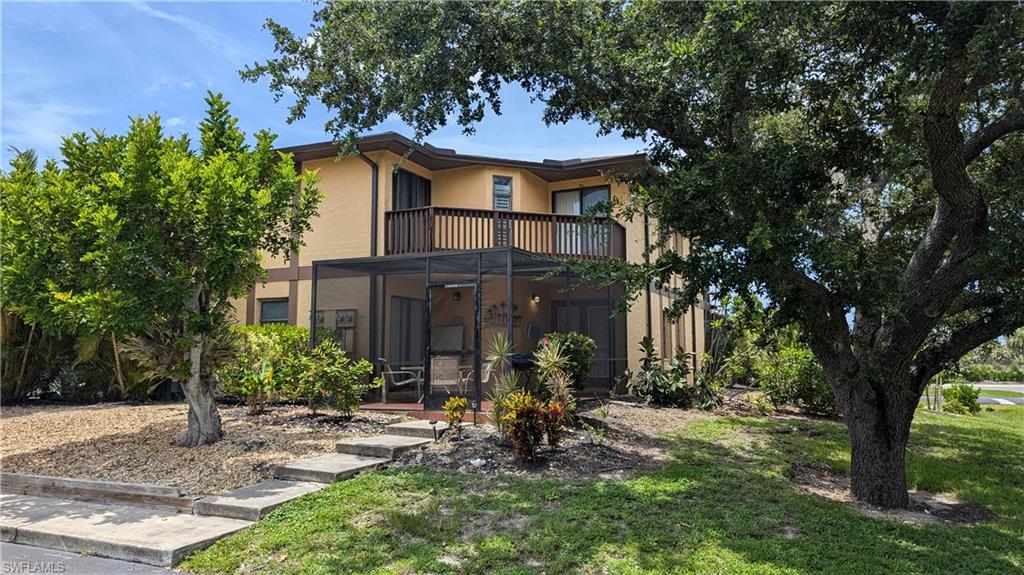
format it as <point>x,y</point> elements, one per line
<point>136,443</point>
<point>624,438</point>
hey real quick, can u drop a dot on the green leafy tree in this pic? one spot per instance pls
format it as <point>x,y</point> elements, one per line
<point>142,234</point>
<point>860,164</point>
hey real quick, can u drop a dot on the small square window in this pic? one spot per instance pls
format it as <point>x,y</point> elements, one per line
<point>273,311</point>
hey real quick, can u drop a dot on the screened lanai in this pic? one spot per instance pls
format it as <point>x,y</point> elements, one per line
<point>426,321</point>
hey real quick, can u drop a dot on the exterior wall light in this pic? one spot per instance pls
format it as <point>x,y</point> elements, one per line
<point>535,298</point>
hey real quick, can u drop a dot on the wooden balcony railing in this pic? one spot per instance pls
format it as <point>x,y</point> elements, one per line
<point>435,228</point>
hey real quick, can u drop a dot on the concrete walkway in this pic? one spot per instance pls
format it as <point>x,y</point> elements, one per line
<point>115,530</point>
<point>163,536</point>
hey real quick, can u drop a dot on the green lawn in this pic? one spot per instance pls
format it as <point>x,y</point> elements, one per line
<point>723,505</point>
<point>1000,393</point>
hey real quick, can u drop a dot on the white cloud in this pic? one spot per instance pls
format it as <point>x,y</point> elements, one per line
<point>166,82</point>
<point>41,125</point>
<point>175,121</point>
<point>32,116</point>
<point>205,34</point>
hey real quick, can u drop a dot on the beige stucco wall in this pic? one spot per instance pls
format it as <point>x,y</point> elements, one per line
<point>472,187</point>
<point>342,230</point>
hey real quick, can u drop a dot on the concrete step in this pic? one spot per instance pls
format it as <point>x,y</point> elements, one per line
<point>327,468</point>
<point>386,446</point>
<point>97,491</point>
<point>128,532</point>
<point>417,428</point>
<point>252,502</point>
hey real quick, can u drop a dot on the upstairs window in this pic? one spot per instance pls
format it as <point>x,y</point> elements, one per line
<point>410,191</point>
<point>273,311</point>
<point>502,188</point>
<point>582,201</point>
<point>576,238</point>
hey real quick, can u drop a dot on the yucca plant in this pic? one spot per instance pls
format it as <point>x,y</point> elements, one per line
<point>560,389</point>
<point>504,386</point>
<point>549,360</point>
<point>500,351</point>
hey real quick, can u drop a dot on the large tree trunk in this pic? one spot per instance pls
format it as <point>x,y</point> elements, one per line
<point>879,425</point>
<point>204,424</point>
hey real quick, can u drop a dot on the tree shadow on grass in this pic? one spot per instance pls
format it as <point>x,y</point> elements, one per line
<point>981,463</point>
<point>719,506</point>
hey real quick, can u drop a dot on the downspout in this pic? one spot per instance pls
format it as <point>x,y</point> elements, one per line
<point>373,253</point>
<point>373,202</point>
<point>647,260</point>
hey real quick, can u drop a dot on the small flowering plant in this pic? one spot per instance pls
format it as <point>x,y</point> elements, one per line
<point>454,408</point>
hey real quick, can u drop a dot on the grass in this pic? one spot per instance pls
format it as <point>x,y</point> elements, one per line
<point>988,392</point>
<point>722,505</point>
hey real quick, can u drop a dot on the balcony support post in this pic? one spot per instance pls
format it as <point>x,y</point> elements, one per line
<point>430,229</point>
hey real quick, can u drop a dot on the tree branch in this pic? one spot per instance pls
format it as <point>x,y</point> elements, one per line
<point>825,322</point>
<point>1012,120</point>
<point>935,358</point>
<point>900,218</point>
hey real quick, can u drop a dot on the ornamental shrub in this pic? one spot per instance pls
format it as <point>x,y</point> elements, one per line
<point>659,385</point>
<point>961,398</point>
<point>793,376</point>
<point>524,421</point>
<point>578,350</point>
<point>267,364</point>
<point>555,418</point>
<point>326,377</point>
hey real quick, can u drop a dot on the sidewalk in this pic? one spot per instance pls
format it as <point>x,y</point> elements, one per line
<point>16,558</point>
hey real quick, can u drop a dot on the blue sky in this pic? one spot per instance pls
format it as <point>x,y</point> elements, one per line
<point>70,66</point>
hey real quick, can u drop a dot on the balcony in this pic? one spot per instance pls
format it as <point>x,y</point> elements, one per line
<point>434,228</point>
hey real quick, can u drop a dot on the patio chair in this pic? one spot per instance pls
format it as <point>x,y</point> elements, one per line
<point>398,378</point>
<point>466,375</point>
<point>444,375</point>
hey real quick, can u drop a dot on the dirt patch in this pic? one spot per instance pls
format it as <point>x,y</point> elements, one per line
<point>611,440</point>
<point>136,443</point>
<point>925,507</point>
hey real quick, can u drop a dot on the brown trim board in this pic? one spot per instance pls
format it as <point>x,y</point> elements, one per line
<point>250,307</point>
<point>293,302</point>
<point>289,273</point>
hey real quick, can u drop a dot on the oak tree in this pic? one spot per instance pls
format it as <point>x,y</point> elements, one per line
<point>858,164</point>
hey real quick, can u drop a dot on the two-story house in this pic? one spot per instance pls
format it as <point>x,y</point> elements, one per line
<point>416,268</point>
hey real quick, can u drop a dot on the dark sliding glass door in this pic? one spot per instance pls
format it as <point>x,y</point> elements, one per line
<point>410,191</point>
